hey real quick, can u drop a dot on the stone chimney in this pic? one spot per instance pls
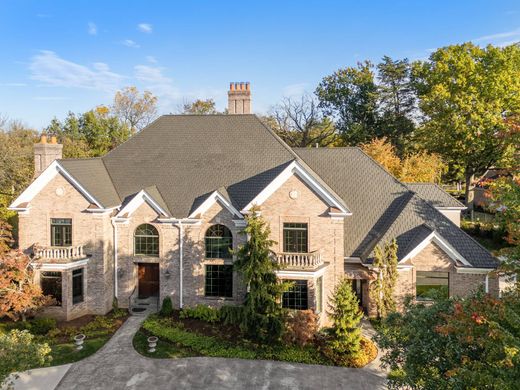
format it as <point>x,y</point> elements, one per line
<point>239,98</point>
<point>45,153</point>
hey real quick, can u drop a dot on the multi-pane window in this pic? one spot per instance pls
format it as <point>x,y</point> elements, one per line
<point>295,237</point>
<point>319,294</point>
<point>219,242</point>
<point>431,282</point>
<point>77,286</point>
<point>296,296</point>
<point>219,281</point>
<point>146,240</point>
<point>61,231</point>
<point>50,283</point>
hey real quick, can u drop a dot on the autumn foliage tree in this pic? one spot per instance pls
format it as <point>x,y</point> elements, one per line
<point>415,167</point>
<point>19,295</point>
<point>133,108</point>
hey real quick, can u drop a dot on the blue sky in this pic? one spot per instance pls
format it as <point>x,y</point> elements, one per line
<point>60,56</point>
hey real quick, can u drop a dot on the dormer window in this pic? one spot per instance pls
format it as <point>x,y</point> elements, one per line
<point>295,238</point>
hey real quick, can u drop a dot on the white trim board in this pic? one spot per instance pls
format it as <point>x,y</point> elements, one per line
<point>141,197</point>
<point>445,246</point>
<point>210,201</point>
<point>294,168</point>
<point>60,266</point>
<point>45,177</point>
<point>300,274</point>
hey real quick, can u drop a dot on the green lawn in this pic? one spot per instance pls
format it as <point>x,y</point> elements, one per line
<point>67,353</point>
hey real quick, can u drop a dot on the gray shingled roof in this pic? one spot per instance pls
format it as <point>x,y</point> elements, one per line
<point>187,157</point>
<point>92,174</point>
<point>434,195</point>
<point>383,208</point>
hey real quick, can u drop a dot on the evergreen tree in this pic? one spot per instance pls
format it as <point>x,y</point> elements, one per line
<point>262,312</point>
<point>382,290</point>
<point>345,313</point>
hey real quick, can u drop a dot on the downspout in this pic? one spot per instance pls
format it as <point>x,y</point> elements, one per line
<point>181,241</point>
<point>114,224</point>
<point>487,283</point>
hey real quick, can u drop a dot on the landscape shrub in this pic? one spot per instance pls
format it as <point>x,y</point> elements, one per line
<point>41,326</point>
<point>201,312</point>
<point>166,307</point>
<point>231,315</point>
<point>344,337</point>
<point>368,352</point>
<point>300,327</point>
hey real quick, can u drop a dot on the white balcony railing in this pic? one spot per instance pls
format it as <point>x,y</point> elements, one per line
<point>300,260</point>
<point>60,252</point>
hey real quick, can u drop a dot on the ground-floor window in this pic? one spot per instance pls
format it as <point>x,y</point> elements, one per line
<point>77,286</point>
<point>50,283</point>
<point>429,283</point>
<point>296,296</point>
<point>319,294</point>
<point>219,281</point>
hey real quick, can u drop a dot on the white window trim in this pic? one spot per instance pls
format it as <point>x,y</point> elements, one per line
<point>210,201</point>
<point>45,178</point>
<point>445,246</point>
<point>301,274</point>
<point>141,197</point>
<point>295,168</point>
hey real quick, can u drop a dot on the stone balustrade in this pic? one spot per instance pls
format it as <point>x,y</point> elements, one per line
<point>300,260</point>
<point>60,252</point>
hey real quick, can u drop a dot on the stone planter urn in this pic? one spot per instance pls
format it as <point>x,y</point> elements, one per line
<point>152,343</point>
<point>78,340</point>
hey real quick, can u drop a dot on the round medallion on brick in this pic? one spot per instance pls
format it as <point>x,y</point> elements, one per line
<point>60,191</point>
<point>293,194</point>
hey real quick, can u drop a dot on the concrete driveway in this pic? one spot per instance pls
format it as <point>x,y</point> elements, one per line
<point>118,366</point>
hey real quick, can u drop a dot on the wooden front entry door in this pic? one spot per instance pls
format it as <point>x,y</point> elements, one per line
<point>148,280</point>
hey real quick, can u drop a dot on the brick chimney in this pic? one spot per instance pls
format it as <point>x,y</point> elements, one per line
<point>239,98</point>
<point>45,153</point>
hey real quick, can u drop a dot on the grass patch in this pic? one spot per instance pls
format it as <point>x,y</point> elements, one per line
<point>67,353</point>
<point>177,341</point>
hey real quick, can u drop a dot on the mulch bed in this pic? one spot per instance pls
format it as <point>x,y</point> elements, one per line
<point>226,332</point>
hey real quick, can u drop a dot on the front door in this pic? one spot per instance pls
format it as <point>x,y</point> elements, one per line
<point>148,280</point>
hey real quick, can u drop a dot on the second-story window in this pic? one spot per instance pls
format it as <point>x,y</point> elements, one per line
<point>219,242</point>
<point>146,240</point>
<point>295,237</point>
<point>61,231</point>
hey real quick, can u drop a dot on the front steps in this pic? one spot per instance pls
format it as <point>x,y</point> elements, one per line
<point>144,306</point>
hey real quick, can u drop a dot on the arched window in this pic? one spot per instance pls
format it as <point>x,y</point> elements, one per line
<point>219,242</point>
<point>146,240</point>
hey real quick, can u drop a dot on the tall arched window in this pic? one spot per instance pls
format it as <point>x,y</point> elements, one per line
<point>146,240</point>
<point>219,242</point>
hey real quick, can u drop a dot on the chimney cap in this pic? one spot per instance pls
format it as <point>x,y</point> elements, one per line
<point>43,138</point>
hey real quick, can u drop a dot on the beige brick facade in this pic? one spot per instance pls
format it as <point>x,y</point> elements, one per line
<point>59,199</point>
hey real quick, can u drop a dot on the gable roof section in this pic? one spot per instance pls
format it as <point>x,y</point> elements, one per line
<point>45,177</point>
<point>188,157</point>
<point>221,196</point>
<point>132,203</point>
<point>296,168</point>
<point>383,208</point>
<point>435,195</point>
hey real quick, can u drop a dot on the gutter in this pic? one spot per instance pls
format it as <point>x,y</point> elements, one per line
<point>114,224</point>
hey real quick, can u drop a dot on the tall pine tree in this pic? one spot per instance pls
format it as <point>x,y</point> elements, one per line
<point>262,312</point>
<point>382,290</point>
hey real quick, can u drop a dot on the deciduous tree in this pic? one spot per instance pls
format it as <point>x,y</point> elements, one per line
<point>134,109</point>
<point>300,123</point>
<point>200,107</point>
<point>466,93</point>
<point>19,295</point>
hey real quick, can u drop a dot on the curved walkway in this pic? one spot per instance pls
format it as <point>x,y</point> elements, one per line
<point>118,366</point>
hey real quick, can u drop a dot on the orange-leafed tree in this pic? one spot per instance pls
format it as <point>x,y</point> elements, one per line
<point>19,295</point>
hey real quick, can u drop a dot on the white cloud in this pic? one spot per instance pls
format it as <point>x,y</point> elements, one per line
<point>51,69</point>
<point>13,84</point>
<point>151,74</point>
<point>151,59</point>
<point>92,28</point>
<point>130,43</point>
<point>154,80</point>
<point>500,39</point>
<point>294,90</point>
<point>145,28</point>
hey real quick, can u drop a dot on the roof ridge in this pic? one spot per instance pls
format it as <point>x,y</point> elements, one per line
<point>381,167</point>
<point>111,180</point>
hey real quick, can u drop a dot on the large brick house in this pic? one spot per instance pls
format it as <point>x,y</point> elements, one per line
<point>156,218</point>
